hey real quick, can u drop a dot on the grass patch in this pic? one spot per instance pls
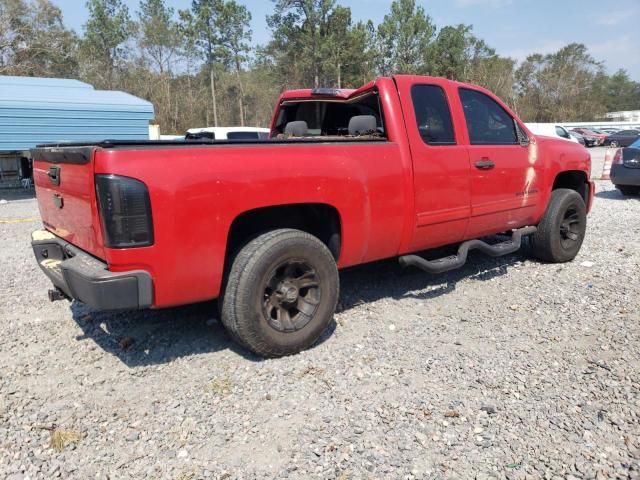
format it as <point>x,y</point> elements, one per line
<point>61,438</point>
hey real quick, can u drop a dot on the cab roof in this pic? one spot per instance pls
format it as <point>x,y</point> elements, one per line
<point>326,93</point>
<point>348,93</point>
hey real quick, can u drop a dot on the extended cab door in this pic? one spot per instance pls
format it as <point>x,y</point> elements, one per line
<point>440,163</point>
<point>505,171</point>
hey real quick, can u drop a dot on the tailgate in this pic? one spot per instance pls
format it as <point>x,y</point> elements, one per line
<point>65,190</point>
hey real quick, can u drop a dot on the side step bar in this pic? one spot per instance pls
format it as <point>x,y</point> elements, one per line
<point>456,261</point>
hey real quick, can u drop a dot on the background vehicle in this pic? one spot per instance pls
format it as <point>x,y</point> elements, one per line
<point>172,137</point>
<point>625,169</point>
<point>585,132</point>
<point>623,138</point>
<point>551,130</point>
<point>398,166</point>
<point>581,140</point>
<point>227,133</point>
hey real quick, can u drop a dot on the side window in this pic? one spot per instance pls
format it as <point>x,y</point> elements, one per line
<point>487,122</point>
<point>242,135</point>
<point>561,132</point>
<point>432,115</point>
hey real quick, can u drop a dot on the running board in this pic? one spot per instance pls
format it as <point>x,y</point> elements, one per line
<point>456,261</point>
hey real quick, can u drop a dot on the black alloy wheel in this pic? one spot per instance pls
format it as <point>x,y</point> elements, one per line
<point>292,295</point>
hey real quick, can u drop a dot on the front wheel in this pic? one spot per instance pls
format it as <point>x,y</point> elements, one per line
<point>614,144</point>
<point>561,232</point>
<point>281,293</point>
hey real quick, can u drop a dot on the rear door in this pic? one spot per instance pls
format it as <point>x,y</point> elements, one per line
<point>440,164</point>
<point>65,190</point>
<point>505,171</point>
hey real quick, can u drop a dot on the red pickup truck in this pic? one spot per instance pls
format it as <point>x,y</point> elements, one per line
<point>401,165</point>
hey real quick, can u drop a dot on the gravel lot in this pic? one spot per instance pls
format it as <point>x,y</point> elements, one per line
<point>506,368</point>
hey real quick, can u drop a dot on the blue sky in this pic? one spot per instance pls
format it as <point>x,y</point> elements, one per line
<point>513,27</point>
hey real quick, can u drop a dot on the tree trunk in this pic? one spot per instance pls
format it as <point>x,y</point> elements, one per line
<point>213,96</point>
<point>339,75</point>
<point>241,96</point>
<point>168,106</point>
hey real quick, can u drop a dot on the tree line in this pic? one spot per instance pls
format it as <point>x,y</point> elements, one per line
<point>200,67</point>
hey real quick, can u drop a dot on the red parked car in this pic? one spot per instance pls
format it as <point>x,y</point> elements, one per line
<point>599,137</point>
<point>401,165</point>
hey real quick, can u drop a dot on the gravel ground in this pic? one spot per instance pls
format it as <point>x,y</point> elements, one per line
<point>506,368</point>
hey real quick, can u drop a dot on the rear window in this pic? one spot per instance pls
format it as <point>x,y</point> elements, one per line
<point>327,118</point>
<point>200,136</point>
<point>242,135</point>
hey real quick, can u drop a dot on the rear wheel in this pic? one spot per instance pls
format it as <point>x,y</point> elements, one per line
<point>281,293</point>
<point>628,189</point>
<point>561,232</point>
<point>614,144</point>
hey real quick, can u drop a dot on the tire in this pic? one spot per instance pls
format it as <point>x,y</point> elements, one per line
<point>628,189</point>
<point>281,293</point>
<point>561,231</point>
<point>614,144</point>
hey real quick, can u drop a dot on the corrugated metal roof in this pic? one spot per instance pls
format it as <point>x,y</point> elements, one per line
<point>40,110</point>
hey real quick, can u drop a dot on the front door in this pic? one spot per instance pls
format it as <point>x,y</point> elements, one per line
<point>505,170</point>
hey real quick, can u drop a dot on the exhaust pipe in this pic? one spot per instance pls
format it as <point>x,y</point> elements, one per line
<point>57,294</point>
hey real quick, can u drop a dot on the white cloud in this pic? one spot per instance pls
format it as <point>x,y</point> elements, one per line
<point>549,46</point>
<point>612,19</point>
<point>618,52</point>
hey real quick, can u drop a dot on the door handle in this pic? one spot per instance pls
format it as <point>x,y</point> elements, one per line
<point>485,164</point>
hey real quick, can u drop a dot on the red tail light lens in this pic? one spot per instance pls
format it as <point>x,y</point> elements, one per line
<point>125,209</point>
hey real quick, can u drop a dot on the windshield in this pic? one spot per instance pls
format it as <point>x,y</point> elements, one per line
<point>635,144</point>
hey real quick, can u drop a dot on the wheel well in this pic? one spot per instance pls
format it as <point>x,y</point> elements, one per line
<point>320,220</point>
<point>573,180</point>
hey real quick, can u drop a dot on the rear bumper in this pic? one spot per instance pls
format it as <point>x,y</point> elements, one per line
<point>85,278</point>
<point>621,175</point>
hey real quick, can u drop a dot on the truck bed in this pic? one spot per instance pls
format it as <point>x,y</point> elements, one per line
<point>124,144</point>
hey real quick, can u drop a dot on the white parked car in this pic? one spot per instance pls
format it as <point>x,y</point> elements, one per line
<point>228,133</point>
<point>551,130</point>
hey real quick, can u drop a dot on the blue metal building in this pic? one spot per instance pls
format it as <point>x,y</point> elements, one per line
<point>40,110</point>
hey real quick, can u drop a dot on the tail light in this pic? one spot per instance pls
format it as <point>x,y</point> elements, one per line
<point>125,210</point>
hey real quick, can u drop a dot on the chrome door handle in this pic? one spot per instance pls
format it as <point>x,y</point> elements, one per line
<point>485,164</point>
